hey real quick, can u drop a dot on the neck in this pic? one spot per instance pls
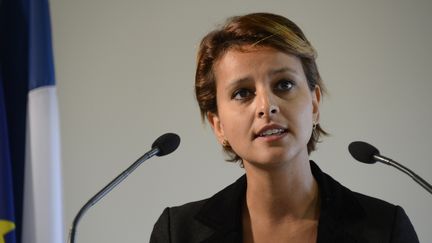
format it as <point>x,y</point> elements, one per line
<point>284,193</point>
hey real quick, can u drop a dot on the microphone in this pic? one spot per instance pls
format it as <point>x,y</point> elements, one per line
<point>163,145</point>
<point>368,154</point>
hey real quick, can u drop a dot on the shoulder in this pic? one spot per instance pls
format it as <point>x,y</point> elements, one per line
<point>224,203</point>
<point>374,206</point>
<point>187,208</point>
<point>186,212</point>
<point>372,209</point>
<point>390,219</point>
<point>178,224</point>
<point>198,220</point>
<point>362,217</point>
<point>338,198</point>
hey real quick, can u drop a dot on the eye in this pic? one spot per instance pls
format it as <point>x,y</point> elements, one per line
<point>242,94</point>
<point>284,85</point>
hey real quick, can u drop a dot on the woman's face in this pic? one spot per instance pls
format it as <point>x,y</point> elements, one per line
<point>265,107</point>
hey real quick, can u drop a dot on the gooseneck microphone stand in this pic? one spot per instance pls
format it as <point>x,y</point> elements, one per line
<point>163,145</point>
<point>107,189</point>
<point>368,154</point>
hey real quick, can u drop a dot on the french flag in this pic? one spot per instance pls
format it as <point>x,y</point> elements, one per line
<point>32,121</point>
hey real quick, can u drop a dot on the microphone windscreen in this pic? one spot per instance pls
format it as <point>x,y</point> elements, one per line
<point>363,152</point>
<point>166,143</point>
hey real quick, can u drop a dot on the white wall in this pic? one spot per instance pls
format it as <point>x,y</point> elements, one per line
<point>125,73</point>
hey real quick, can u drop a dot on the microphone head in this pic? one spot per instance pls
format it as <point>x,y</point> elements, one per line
<point>166,143</point>
<point>363,152</point>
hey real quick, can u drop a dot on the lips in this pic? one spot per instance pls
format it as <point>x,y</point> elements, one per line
<point>271,130</point>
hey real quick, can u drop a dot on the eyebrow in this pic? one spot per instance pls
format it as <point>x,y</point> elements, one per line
<point>237,82</point>
<point>283,70</point>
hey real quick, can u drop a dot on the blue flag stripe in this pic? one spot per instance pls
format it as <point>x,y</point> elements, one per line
<point>41,66</point>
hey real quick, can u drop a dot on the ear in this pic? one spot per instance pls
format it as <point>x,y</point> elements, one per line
<point>316,100</point>
<point>217,126</point>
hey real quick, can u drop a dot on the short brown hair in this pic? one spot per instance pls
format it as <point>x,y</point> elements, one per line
<point>256,29</point>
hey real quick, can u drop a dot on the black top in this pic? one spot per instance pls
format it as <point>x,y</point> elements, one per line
<point>345,216</point>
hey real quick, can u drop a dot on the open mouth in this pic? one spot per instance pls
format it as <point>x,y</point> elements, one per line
<point>272,132</point>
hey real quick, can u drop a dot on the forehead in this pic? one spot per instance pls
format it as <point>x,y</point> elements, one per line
<point>249,60</point>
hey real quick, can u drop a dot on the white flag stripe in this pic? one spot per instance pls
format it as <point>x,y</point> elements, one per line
<point>43,199</point>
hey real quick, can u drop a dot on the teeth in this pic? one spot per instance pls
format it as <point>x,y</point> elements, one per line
<point>272,132</point>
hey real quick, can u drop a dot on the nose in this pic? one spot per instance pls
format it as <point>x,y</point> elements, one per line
<point>267,106</point>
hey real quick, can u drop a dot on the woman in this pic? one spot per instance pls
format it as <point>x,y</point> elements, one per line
<point>258,86</point>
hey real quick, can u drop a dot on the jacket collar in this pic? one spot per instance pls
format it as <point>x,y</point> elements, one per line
<point>222,212</point>
<point>339,210</point>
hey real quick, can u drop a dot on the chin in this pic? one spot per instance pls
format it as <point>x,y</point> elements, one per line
<point>268,160</point>
<point>276,157</point>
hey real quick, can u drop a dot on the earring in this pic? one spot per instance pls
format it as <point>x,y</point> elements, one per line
<point>225,144</point>
<point>314,125</point>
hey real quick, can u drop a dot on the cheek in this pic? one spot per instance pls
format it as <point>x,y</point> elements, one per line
<point>301,116</point>
<point>306,121</point>
<point>236,124</point>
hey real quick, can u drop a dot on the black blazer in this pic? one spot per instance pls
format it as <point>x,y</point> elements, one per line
<point>345,216</point>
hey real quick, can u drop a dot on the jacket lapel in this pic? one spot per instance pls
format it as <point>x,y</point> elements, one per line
<point>222,213</point>
<point>340,210</point>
